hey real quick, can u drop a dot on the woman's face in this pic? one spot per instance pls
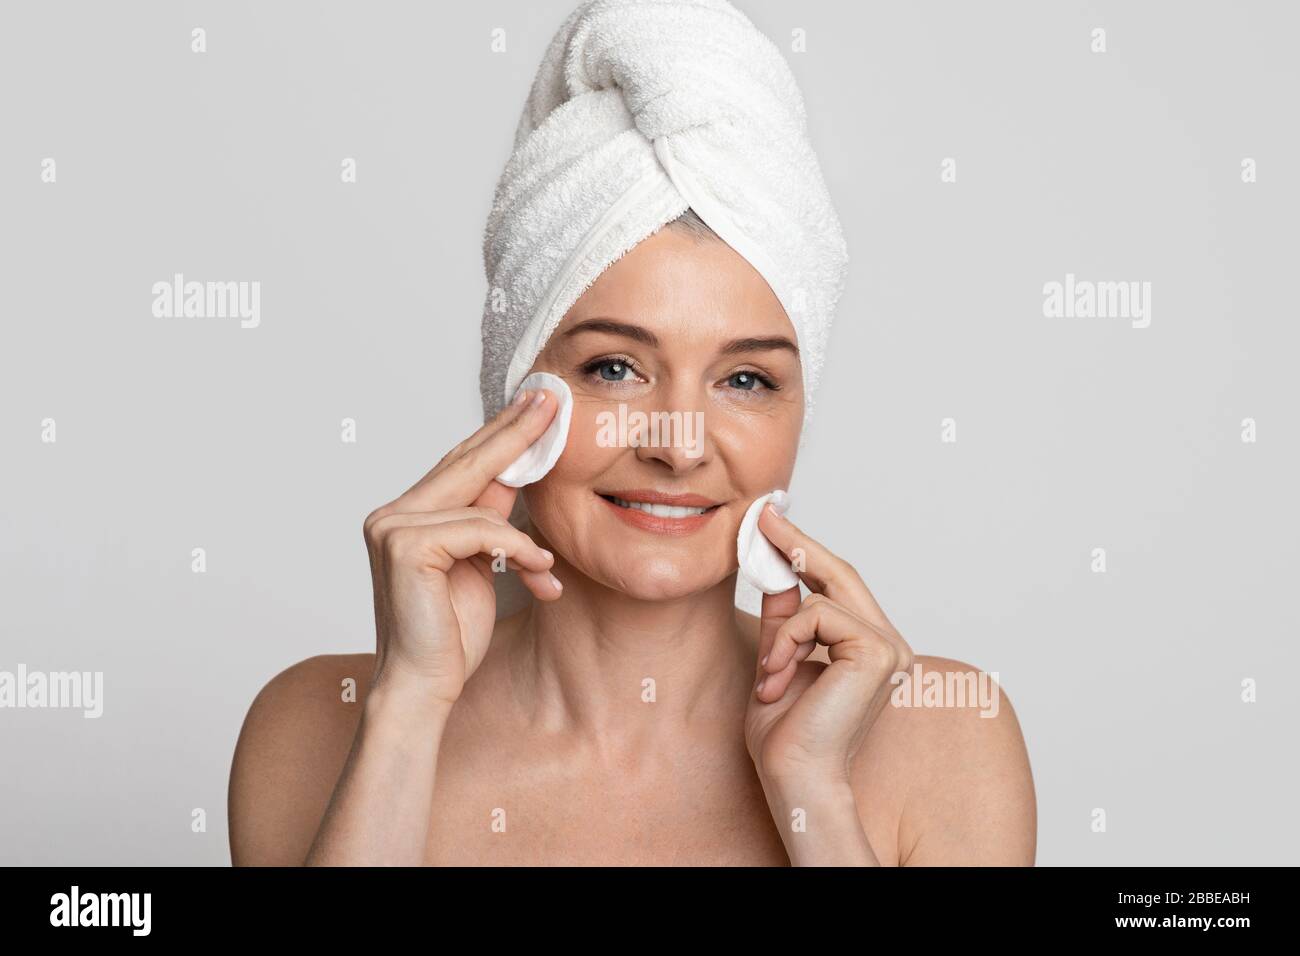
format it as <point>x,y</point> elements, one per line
<point>687,392</point>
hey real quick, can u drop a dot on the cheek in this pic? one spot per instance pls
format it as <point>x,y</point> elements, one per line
<point>560,503</point>
<point>757,448</point>
<point>751,453</point>
<point>583,457</point>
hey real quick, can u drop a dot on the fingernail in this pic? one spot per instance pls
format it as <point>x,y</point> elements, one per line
<point>549,556</point>
<point>555,582</point>
<point>771,509</point>
<point>764,660</point>
<point>539,397</point>
<point>520,397</point>
<point>758,688</point>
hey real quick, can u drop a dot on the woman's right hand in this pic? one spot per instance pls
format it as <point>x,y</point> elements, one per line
<point>433,550</point>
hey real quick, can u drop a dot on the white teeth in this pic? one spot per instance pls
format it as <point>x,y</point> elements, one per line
<point>659,511</point>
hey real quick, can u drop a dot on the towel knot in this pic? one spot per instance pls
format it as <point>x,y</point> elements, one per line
<point>680,65</point>
<point>640,110</point>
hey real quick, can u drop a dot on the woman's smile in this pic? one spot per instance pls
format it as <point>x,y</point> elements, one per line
<point>657,315</point>
<point>660,512</point>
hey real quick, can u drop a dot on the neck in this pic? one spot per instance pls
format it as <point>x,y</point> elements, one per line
<point>623,673</point>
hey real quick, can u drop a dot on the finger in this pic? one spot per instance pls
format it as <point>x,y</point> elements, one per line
<point>502,418</point>
<point>462,481</point>
<point>776,609</point>
<point>823,571</point>
<point>401,519</point>
<point>530,561</point>
<point>380,523</point>
<point>543,584</point>
<point>521,425</point>
<point>771,686</point>
<point>818,622</point>
<point>498,497</point>
<point>439,545</point>
<point>848,637</point>
<point>804,651</point>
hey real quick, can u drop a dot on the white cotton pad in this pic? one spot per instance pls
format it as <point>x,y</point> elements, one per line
<point>541,456</point>
<point>761,563</point>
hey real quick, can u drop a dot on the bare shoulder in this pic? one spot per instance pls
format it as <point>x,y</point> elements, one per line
<point>291,749</point>
<point>943,775</point>
<point>969,793</point>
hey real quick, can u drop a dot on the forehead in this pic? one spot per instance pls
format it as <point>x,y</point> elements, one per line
<point>684,288</point>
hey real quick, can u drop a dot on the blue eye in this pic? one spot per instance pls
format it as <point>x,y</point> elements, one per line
<point>613,371</point>
<point>747,381</point>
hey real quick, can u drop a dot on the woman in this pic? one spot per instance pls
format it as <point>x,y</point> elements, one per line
<point>629,713</point>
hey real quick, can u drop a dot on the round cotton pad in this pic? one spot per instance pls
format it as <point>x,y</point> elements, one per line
<point>541,456</point>
<point>761,563</point>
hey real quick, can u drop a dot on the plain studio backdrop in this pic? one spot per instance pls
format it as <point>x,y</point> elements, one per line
<point>1072,434</point>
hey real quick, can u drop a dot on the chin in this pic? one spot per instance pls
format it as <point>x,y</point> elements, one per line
<point>659,578</point>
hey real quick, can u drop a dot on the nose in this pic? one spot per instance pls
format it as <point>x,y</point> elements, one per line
<point>675,433</point>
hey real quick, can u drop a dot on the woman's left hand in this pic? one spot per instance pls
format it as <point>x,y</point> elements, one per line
<point>806,719</point>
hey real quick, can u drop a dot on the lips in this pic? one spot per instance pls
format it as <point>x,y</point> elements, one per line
<point>658,511</point>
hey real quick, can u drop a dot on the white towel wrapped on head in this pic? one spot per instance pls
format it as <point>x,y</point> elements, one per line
<point>641,109</point>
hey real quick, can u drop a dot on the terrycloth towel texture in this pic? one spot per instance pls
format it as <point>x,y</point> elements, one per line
<point>641,109</point>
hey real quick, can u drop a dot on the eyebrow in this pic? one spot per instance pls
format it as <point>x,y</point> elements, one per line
<point>614,327</point>
<point>769,343</point>
<point>766,343</point>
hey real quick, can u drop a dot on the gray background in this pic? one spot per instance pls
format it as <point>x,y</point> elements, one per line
<point>1072,433</point>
